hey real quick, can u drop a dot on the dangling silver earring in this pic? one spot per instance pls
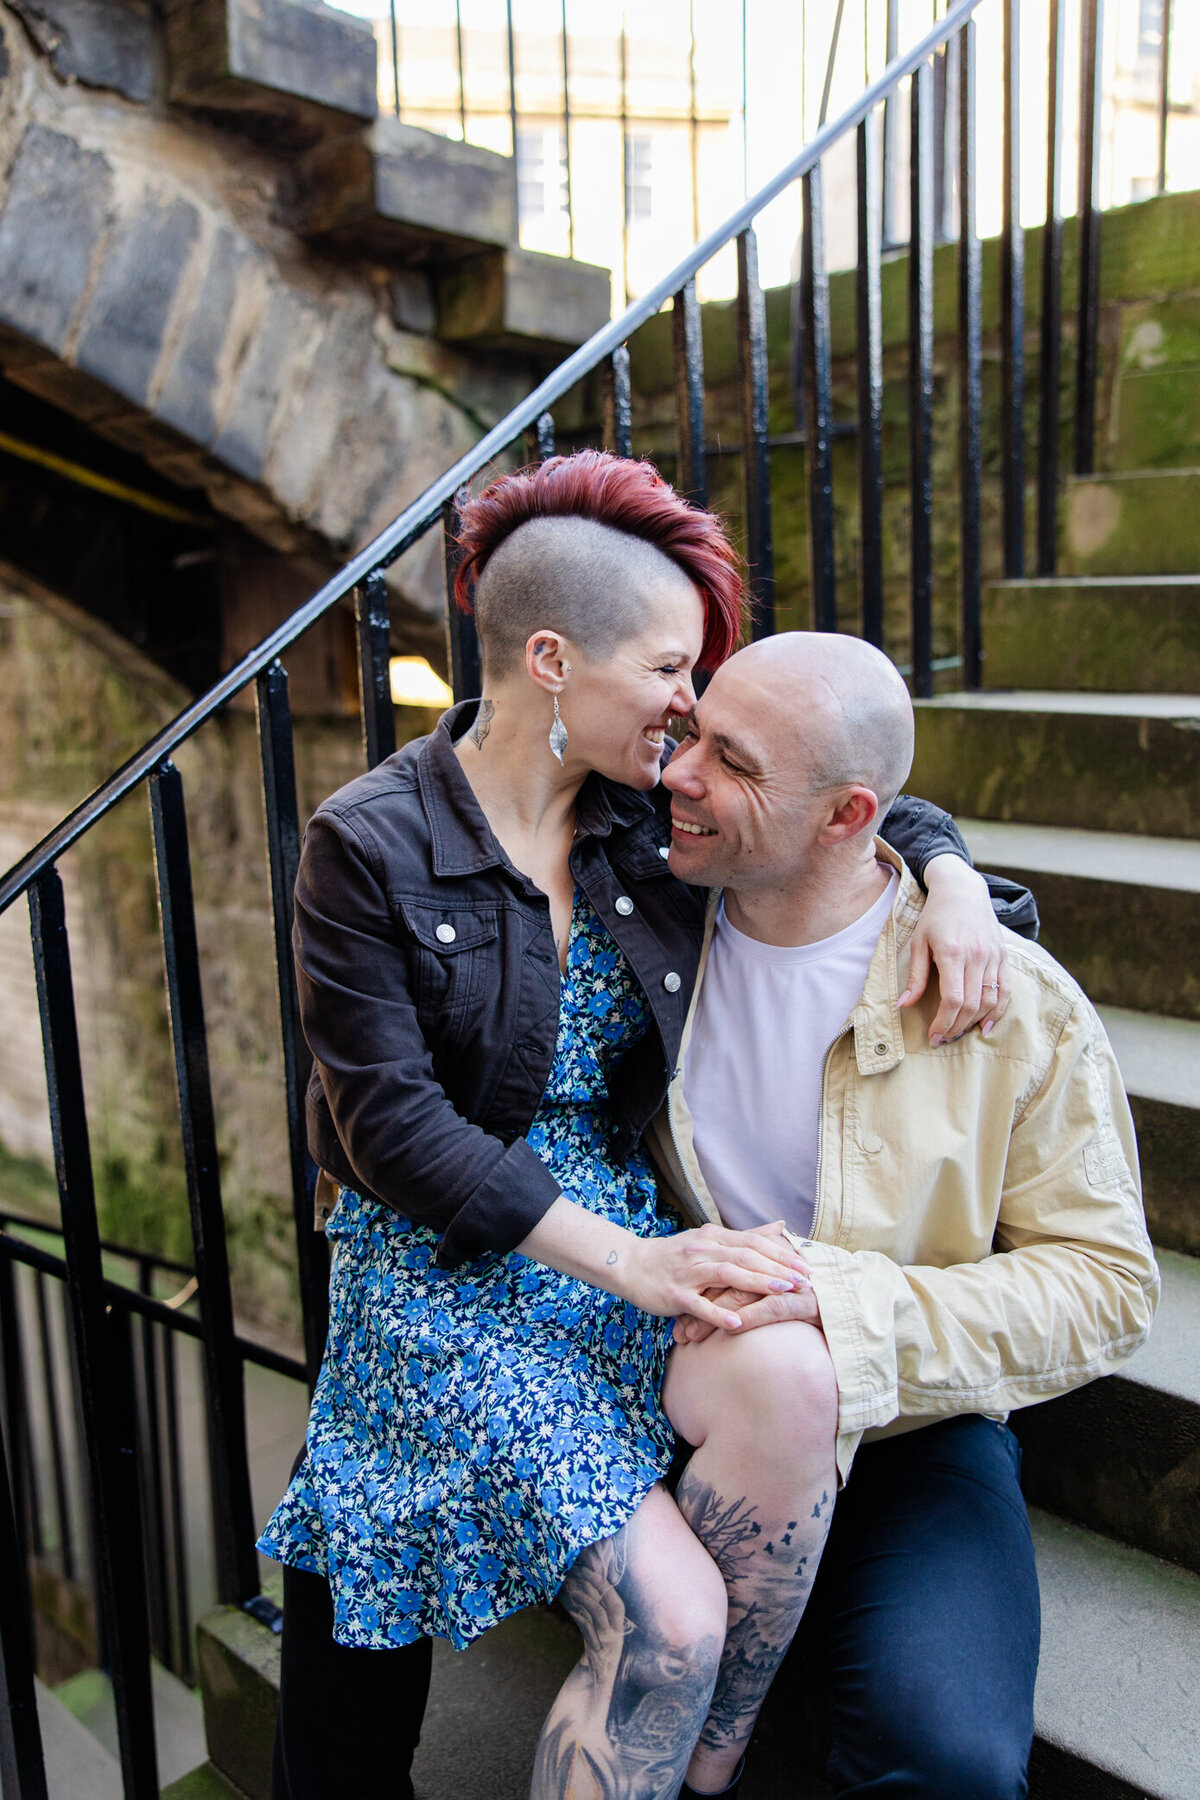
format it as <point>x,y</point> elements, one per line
<point>558,733</point>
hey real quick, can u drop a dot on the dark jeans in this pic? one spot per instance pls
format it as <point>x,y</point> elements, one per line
<point>924,1621</point>
<point>923,1625</point>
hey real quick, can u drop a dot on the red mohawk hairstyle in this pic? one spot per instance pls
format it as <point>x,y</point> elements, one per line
<point>627,496</point>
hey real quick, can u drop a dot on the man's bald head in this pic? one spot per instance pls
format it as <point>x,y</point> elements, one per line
<point>594,584</point>
<point>857,712</point>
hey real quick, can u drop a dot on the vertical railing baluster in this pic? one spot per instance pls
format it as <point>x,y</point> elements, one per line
<point>151,1464</point>
<point>1012,308</point>
<point>277,755</point>
<point>58,1462</point>
<point>233,1515</point>
<point>691,475</point>
<point>539,439</point>
<point>374,680</point>
<point>970,397</point>
<point>462,640</point>
<point>1091,41</point>
<point>22,1769</point>
<point>891,131</point>
<point>179,1568</point>
<point>26,1500</point>
<point>116,1518</point>
<point>462,71</point>
<point>818,405</point>
<point>618,403</point>
<point>920,377</point>
<point>869,307</point>
<point>756,457</point>
<point>1050,366</point>
<point>1164,94</point>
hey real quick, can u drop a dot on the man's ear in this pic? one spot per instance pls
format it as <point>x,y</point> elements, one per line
<point>547,659</point>
<point>853,811</point>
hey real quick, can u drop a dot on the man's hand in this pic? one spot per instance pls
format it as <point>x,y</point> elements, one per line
<point>959,932</point>
<point>752,1309</point>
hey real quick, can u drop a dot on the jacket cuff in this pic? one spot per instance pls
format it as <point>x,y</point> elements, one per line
<point>503,1210</point>
<point>867,1394</point>
<point>920,831</point>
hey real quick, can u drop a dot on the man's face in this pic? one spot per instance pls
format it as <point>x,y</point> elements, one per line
<point>744,811</point>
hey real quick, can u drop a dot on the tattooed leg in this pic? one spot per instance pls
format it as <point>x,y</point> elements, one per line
<point>758,1493</point>
<point>650,1606</point>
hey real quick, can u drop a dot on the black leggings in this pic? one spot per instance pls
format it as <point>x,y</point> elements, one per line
<point>349,1720</point>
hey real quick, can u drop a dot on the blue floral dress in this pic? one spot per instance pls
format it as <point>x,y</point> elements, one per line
<point>473,1430</point>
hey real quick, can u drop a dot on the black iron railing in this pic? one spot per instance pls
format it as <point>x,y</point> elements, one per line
<point>101,1313</point>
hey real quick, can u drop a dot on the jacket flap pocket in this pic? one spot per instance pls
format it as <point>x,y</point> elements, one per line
<point>642,861</point>
<point>448,928</point>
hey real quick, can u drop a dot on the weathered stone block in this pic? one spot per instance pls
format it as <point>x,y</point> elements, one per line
<point>187,399</point>
<point>55,211</point>
<point>1139,635</point>
<point>520,299</point>
<point>1134,524</point>
<point>239,1680</point>
<point>402,191</point>
<point>1157,419</point>
<point>413,306</point>
<point>122,337</point>
<point>106,43</point>
<point>296,63</point>
<point>282,338</point>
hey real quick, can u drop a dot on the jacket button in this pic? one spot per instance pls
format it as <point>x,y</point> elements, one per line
<point>672,982</point>
<point>881,1049</point>
<point>871,1142</point>
<point>445,934</point>
<point>664,850</point>
<point>624,905</point>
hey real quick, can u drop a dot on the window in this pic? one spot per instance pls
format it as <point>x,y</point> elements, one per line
<point>541,172</point>
<point>1150,25</point>
<point>638,190</point>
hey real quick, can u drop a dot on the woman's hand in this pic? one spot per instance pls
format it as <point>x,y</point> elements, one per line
<point>959,932</point>
<point>676,1276</point>
<point>752,1310</point>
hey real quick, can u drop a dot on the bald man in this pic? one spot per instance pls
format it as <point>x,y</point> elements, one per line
<point>970,1208</point>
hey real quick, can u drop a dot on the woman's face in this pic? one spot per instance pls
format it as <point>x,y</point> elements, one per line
<point>616,709</point>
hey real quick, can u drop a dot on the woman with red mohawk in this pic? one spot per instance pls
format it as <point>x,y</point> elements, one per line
<point>494,970</point>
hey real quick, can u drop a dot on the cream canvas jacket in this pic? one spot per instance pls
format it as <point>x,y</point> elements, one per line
<point>978,1241</point>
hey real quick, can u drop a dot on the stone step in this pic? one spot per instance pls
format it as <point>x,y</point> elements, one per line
<point>1104,762</point>
<point>1142,522</point>
<point>1098,892</point>
<point>178,1718</point>
<point>1156,419</point>
<point>1108,632</point>
<point>78,1767</point>
<point>1122,1455</point>
<point>1160,1064</point>
<point>204,1783</point>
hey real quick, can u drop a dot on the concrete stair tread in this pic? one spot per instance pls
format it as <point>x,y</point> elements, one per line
<point>178,1717</point>
<point>1159,1058</point>
<point>1119,1678</point>
<point>1114,476</point>
<point>1168,1359</point>
<point>1093,855</point>
<point>77,1766</point>
<point>1051,584</point>
<point>1043,700</point>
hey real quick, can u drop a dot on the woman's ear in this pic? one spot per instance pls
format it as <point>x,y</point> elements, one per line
<point>546,660</point>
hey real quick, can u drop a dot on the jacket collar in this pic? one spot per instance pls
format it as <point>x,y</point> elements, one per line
<point>463,841</point>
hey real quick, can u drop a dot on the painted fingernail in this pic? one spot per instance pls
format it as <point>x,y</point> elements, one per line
<point>905,996</point>
<point>989,1028</point>
<point>732,1322</point>
<point>782,1287</point>
<point>935,1041</point>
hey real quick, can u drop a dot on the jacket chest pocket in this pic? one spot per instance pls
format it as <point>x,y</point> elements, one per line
<point>456,962</point>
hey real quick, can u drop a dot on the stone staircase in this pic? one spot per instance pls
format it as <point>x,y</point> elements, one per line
<point>1077,769</point>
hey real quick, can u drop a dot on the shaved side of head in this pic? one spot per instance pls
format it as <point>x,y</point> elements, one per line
<point>586,580</point>
<point>857,690</point>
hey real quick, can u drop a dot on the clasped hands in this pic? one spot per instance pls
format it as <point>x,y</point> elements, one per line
<point>714,1279</point>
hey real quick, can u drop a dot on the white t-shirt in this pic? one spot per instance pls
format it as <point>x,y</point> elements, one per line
<point>765,1018</point>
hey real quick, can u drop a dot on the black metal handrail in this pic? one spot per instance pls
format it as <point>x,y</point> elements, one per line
<point>105,1367</point>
